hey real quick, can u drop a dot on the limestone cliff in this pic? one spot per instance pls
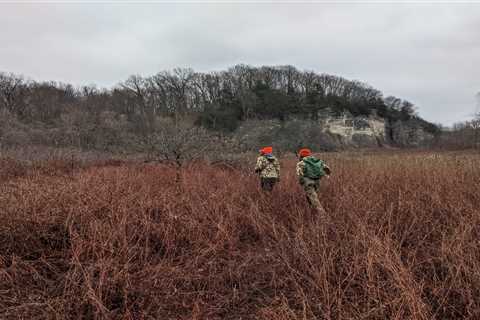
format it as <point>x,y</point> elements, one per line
<point>332,131</point>
<point>356,131</point>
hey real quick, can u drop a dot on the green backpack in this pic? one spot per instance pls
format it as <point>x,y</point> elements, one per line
<point>314,168</point>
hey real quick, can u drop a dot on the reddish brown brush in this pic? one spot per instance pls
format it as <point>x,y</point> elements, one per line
<point>127,242</point>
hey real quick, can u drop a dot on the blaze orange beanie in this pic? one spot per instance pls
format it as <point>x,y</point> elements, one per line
<point>266,150</point>
<point>304,153</point>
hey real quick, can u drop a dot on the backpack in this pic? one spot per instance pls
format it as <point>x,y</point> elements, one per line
<point>314,168</point>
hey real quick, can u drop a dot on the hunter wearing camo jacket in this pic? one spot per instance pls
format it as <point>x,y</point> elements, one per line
<point>268,168</point>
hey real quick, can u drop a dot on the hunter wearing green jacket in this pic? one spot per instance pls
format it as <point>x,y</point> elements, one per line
<point>309,171</point>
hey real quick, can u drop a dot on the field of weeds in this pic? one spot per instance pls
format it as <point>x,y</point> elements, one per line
<point>402,241</point>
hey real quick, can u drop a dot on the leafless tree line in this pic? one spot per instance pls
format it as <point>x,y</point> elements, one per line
<point>140,111</point>
<point>463,135</point>
<point>178,92</point>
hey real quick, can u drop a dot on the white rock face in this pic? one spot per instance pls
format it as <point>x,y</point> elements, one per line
<point>330,131</point>
<point>348,126</point>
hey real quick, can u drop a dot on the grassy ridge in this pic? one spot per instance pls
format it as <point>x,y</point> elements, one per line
<point>127,242</point>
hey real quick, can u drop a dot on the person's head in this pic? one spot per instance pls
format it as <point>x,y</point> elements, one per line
<point>302,153</point>
<point>266,150</point>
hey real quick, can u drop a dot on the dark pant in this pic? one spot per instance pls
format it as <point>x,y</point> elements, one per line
<point>267,184</point>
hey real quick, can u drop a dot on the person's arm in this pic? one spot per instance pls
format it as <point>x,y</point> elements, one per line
<point>277,168</point>
<point>259,166</point>
<point>300,169</point>
<point>327,169</point>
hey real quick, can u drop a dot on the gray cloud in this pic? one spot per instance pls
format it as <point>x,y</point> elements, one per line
<point>429,54</point>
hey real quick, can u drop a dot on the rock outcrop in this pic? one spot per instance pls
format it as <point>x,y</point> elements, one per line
<point>355,131</point>
<point>332,131</point>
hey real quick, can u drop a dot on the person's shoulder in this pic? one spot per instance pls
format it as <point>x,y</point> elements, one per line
<point>262,159</point>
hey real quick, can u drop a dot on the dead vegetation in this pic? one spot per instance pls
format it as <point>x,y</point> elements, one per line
<point>127,242</point>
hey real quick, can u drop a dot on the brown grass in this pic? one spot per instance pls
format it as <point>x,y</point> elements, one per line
<point>126,242</point>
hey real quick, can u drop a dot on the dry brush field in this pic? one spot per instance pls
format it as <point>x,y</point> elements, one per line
<point>125,241</point>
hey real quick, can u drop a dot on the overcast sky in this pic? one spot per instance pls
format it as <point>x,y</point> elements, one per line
<point>426,53</point>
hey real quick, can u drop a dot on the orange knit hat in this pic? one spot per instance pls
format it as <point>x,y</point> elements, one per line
<point>304,153</point>
<point>266,150</point>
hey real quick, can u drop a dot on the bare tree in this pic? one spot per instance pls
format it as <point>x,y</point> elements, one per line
<point>177,142</point>
<point>136,86</point>
<point>11,92</point>
<point>475,124</point>
<point>46,101</point>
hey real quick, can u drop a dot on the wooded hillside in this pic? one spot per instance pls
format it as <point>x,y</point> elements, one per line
<point>88,117</point>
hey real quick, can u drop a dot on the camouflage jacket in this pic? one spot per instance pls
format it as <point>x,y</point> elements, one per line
<point>268,167</point>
